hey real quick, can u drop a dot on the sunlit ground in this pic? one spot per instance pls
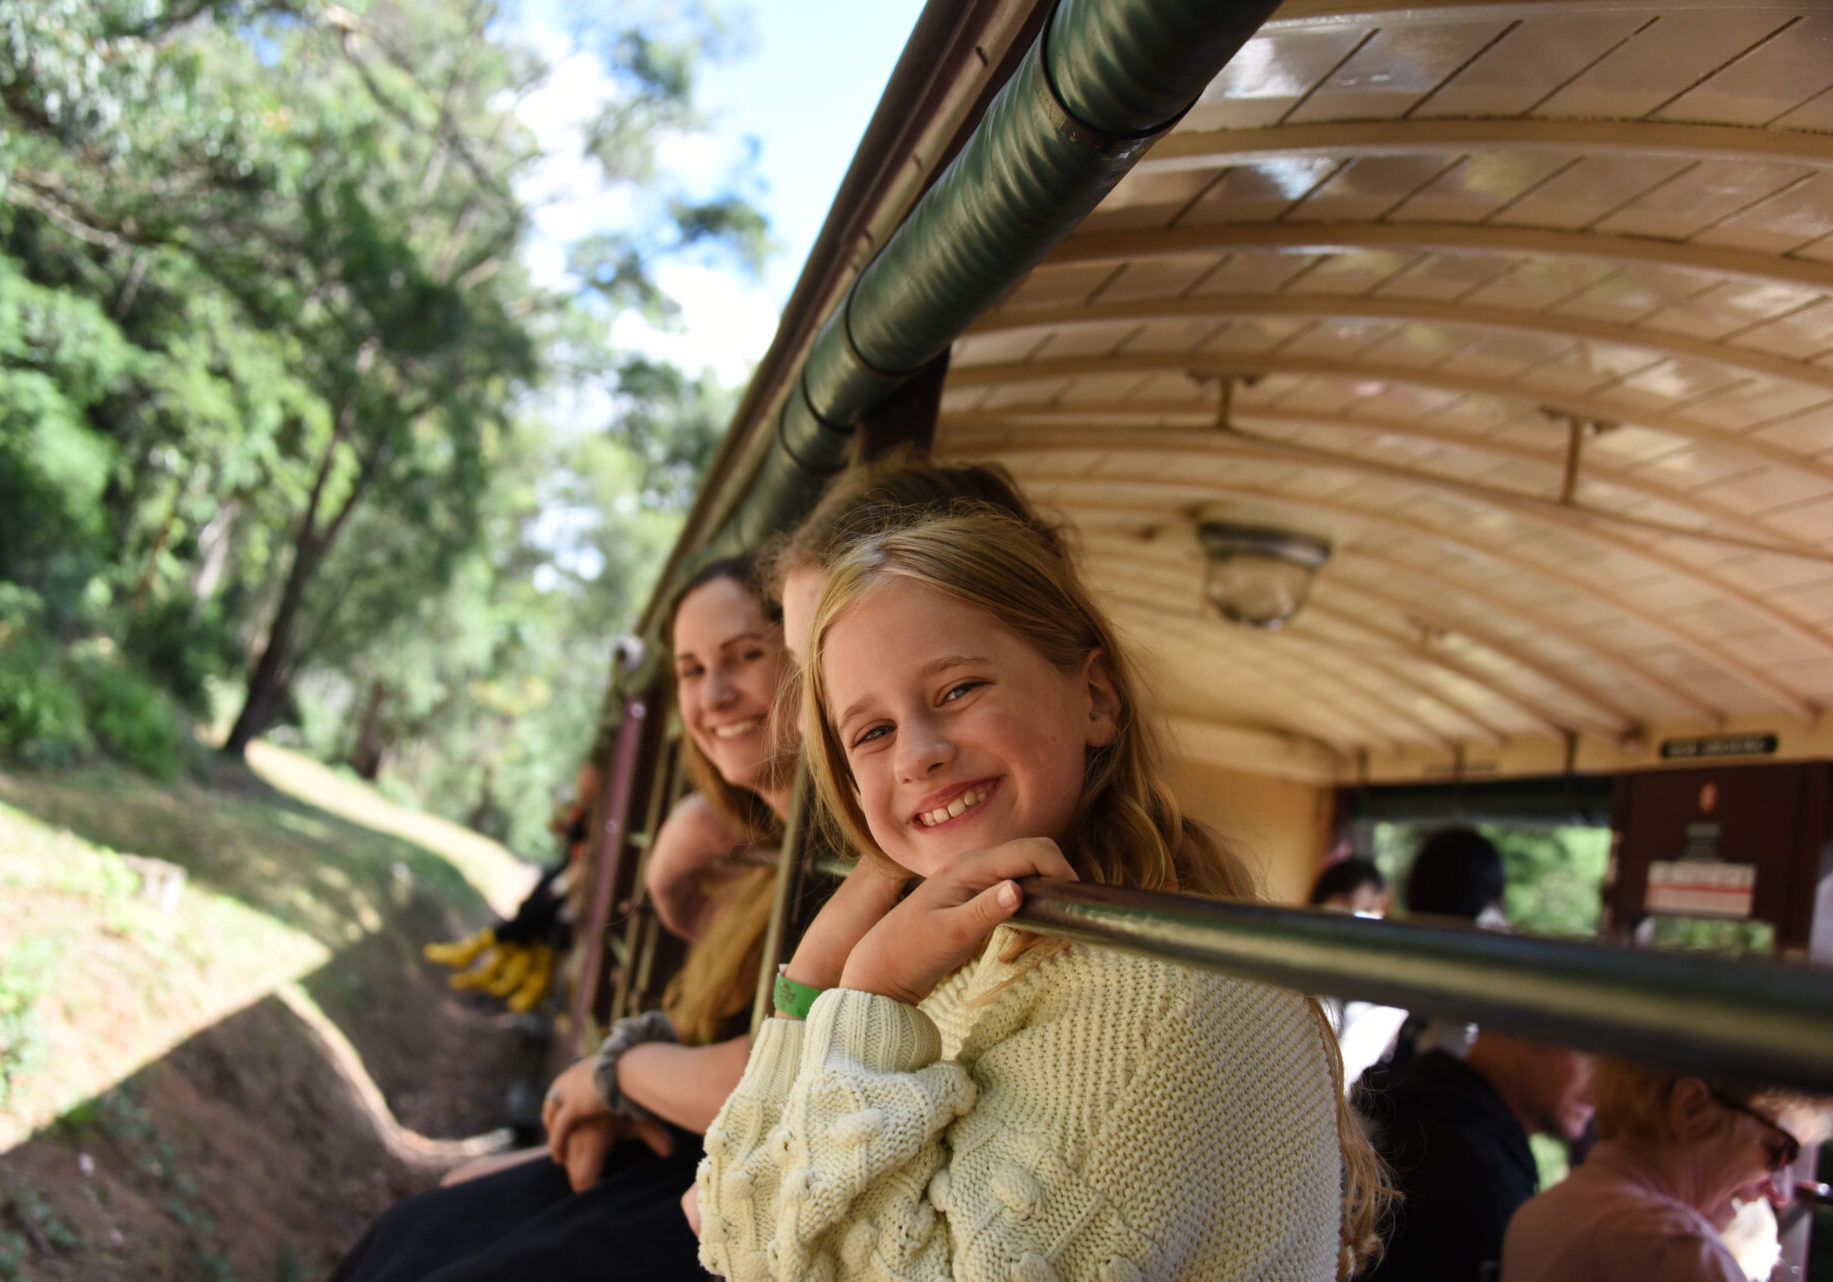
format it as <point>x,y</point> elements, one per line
<point>97,979</point>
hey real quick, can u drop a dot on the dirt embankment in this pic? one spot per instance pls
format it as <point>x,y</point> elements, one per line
<point>239,1081</point>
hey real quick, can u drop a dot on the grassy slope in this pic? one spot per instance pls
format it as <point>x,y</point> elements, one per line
<point>306,898</point>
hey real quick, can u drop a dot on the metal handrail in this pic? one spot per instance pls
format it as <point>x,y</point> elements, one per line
<point>1761,1021</point>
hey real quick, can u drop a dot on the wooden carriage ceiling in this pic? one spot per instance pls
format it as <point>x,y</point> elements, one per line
<point>1529,309</point>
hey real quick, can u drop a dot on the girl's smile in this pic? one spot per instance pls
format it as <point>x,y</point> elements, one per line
<point>959,734</point>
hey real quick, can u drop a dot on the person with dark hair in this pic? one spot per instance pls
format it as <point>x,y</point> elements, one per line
<point>1457,873</point>
<point>1455,1133</point>
<point>1352,885</point>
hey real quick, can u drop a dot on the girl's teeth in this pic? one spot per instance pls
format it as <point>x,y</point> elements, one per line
<point>733,731</point>
<point>960,805</point>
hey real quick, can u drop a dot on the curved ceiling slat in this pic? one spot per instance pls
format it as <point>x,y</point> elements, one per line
<point>1598,656</point>
<point>1613,138</point>
<point>1331,723</point>
<point>1004,374</point>
<point>1404,311</point>
<point>1716,655</point>
<point>1593,718</point>
<point>1339,674</point>
<point>1090,419</point>
<point>1444,238</point>
<point>1581,522</point>
<point>1392,670</point>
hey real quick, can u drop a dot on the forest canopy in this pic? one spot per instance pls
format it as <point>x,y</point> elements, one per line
<point>292,437</point>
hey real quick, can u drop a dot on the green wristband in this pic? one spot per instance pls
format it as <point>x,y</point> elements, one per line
<point>793,999</point>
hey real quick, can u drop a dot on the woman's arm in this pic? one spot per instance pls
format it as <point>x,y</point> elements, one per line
<point>689,852</point>
<point>686,1085</point>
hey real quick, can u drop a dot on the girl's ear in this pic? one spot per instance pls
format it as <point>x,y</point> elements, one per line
<point>1097,681</point>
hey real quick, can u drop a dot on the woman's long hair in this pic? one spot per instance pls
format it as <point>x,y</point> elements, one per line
<point>1127,828</point>
<point>717,980</point>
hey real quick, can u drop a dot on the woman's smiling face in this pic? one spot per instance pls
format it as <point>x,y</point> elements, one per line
<point>958,733</point>
<point>729,661</point>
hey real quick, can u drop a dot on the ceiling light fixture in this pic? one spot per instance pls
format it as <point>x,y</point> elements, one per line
<point>1258,576</point>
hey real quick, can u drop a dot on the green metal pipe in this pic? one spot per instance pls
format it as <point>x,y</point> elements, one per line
<point>1104,78</point>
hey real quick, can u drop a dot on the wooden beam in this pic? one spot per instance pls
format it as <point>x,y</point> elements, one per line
<point>1215,148</point>
<point>1470,239</point>
<point>1080,418</point>
<point>1408,311</point>
<point>1710,652</point>
<point>1590,405</point>
<point>1579,521</point>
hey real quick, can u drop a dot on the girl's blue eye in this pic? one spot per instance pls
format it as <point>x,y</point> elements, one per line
<point>869,734</point>
<point>960,690</point>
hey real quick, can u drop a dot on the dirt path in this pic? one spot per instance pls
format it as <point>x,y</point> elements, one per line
<point>249,1113</point>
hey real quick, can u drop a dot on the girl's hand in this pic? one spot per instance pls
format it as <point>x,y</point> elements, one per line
<point>945,920</point>
<point>581,1130</point>
<point>867,894</point>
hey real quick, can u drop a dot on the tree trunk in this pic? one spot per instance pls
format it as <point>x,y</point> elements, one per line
<point>264,682</point>
<point>366,757</point>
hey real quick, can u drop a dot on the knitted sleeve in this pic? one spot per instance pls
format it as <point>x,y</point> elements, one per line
<point>832,1136</point>
<point>1149,1128</point>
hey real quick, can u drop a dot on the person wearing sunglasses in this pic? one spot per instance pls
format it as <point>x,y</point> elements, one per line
<point>1676,1155</point>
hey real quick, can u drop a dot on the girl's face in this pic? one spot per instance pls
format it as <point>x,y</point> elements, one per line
<point>729,661</point>
<point>959,734</point>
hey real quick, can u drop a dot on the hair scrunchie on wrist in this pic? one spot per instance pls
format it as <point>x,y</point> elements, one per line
<point>632,1030</point>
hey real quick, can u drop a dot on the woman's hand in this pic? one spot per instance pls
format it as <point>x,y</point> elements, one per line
<point>687,864</point>
<point>944,922</point>
<point>862,900</point>
<point>572,1103</point>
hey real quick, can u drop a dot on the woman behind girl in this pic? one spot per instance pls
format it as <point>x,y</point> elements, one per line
<point>966,1100</point>
<point>606,1204</point>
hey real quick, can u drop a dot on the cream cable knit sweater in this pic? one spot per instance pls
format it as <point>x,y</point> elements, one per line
<point>1107,1117</point>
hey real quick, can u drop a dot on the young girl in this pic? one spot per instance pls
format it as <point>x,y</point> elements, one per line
<point>969,1101</point>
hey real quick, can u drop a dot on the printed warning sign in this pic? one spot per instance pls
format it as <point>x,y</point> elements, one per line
<point>1700,888</point>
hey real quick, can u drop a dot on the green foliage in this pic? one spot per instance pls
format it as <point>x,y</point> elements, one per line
<point>280,404</point>
<point>130,717</point>
<point>1555,874</point>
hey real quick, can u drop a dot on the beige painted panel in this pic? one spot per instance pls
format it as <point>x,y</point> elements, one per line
<point>1478,185</point>
<point>1761,401</point>
<point>1801,214</point>
<point>1807,521</point>
<point>1660,62</point>
<point>1768,82</point>
<point>1635,291</point>
<point>1807,432</point>
<point>1800,335</point>
<point>1059,285</point>
<point>1254,271</point>
<point>1354,272</point>
<point>1514,74</point>
<point>1170,336</point>
<point>1083,340</point>
<point>1253,335</point>
<point>1707,194</point>
<point>1588,190</point>
<point>1766,489</point>
<point>1395,68</point>
<point>1368,187</point>
<point>1678,380</point>
<point>1535,283</point>
<point>1342,339</point>
<point>1169,276</point>
<point>1444,276</point>
<point>1815,114</point>
<point>1148,198</point>
<point>1270,73</point>
<point>1730,306</point>
<point>1258,192</point>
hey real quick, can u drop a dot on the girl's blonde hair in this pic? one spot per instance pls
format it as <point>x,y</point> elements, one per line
<point>1127,828</point>
<point>719,977</point>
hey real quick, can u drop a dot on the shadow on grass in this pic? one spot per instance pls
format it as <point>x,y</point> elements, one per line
<point>256,1148</point>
